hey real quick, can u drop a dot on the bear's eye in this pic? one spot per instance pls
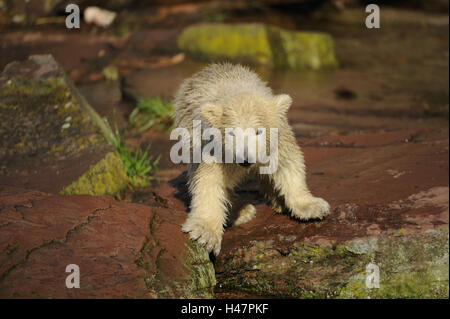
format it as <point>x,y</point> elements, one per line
<point>259,131</point>
<point>231,133</point>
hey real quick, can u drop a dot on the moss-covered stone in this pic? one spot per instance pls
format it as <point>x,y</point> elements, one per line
<point>416,267</point>
<point>260,45</point>
<point>301,50</point>
<point>202,279</point>
<point>107,177</point>
<point>50,135</point>
<point>410,266</point>
<point>41,117</point>
<point>246,43</point>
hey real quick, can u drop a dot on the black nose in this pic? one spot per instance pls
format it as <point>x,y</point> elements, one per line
<point>245,164</point>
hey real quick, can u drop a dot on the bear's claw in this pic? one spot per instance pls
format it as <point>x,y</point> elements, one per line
<point>204,235</point>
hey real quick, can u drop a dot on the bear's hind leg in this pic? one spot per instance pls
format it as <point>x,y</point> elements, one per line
<point>240,211</point>
<point>276,202</point>
<point>246,214</point>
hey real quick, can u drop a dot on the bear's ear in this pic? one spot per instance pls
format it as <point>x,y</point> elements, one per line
<point>283,102</point>
<point>212,113</point>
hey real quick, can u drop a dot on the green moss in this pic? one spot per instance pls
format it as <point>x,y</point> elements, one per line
<point>245,43</point>
<point>259,44</point>
<point>411,266</point>
<point>202,278</point>
<point>107,177</point>
<point>111,73</point>
<point>302,50</point>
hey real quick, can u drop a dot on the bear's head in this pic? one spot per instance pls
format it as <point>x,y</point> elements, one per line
<point>247,120</point>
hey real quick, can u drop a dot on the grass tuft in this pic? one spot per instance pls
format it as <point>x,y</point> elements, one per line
<point>150,111</point>
<point>138,164</point>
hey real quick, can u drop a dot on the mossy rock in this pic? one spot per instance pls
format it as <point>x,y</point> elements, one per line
<point>202,279</point>
<point>107,177</point>
<point>259,44</point>
<point>210,42</point>
<point>302,50</point>
<point>50,137</point>
<point>410,266</point>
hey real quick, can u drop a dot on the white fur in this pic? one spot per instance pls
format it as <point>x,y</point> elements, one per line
<point>231,96</point>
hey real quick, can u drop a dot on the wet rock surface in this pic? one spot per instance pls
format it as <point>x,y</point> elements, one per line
<point>389,198</point>
<point>123,250</point>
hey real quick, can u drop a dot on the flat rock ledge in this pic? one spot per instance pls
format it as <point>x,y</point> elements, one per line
<point>389,195</point>
<point>390,211</point>
<point>123,250</point>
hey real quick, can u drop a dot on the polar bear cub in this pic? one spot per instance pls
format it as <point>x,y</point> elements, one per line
<point>229,97</point>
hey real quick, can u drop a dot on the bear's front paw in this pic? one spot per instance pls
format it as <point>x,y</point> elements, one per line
<point>311,208</point>
<point>205,235</point>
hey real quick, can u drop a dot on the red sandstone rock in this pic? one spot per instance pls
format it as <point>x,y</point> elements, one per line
<point>389,197</point>
<point>122,249</point>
